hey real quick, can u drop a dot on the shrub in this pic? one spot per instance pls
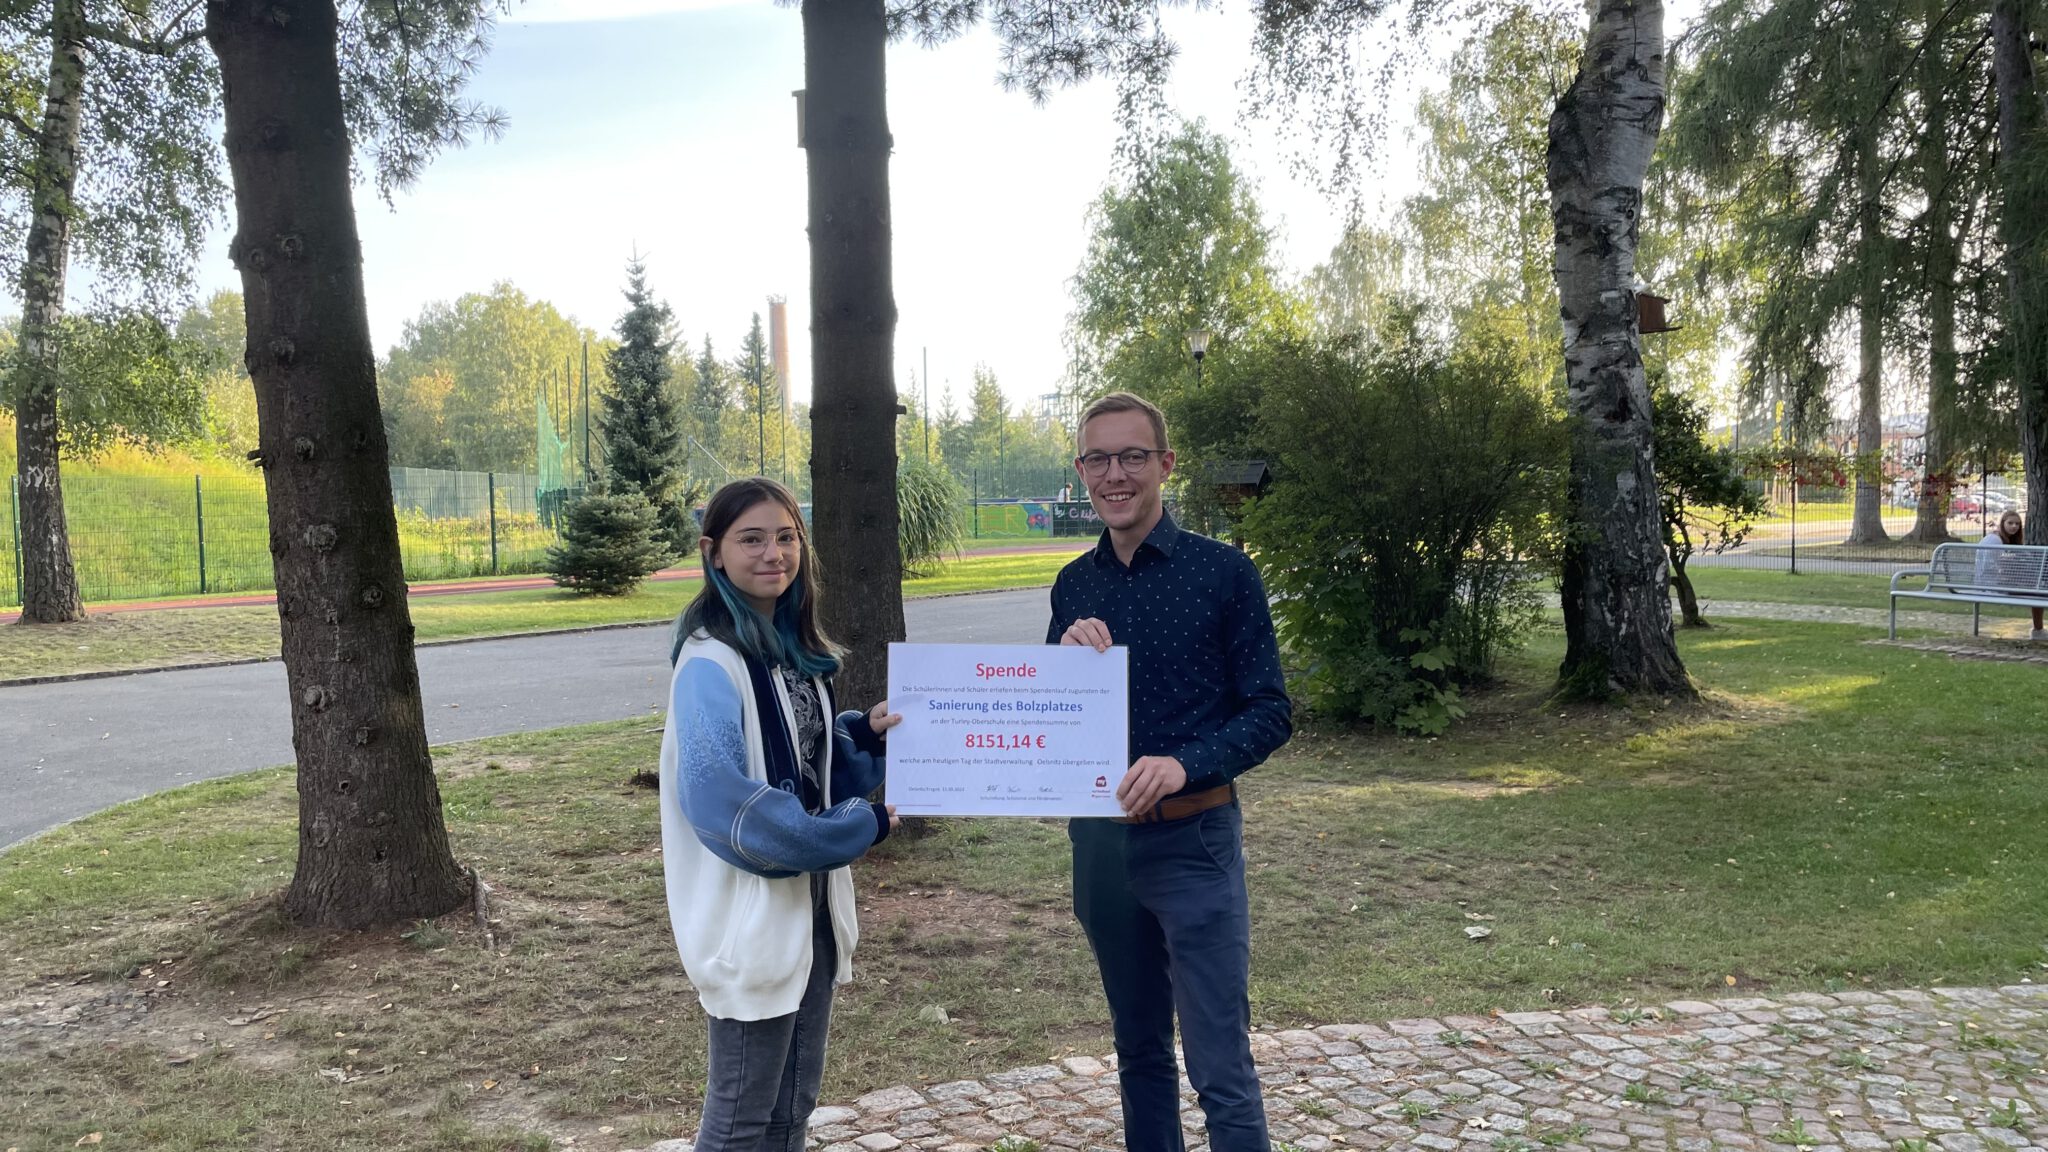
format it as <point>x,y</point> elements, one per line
<point>609,544</point>
<point>928,502</point>
<point>1413,484</point>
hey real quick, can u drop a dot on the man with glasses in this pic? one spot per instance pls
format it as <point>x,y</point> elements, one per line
<point>1160,891</point>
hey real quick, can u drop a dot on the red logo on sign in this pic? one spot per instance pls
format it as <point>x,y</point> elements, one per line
<point>1102,781</point>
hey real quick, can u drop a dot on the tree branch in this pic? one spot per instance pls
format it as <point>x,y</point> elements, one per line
<point>156,45</point>
<point>10,116</point>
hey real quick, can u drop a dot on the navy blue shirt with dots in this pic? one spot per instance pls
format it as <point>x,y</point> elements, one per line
<point>1206,686</point>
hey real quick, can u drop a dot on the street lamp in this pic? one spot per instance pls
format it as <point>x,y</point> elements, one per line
<point>1198,345</point>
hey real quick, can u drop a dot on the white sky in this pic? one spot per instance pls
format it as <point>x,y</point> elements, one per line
<point>668,126</point>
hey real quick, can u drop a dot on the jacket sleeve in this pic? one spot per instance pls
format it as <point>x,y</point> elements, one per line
<point>1264,718</point>
<point>745,822</point>
<point>858,764</point>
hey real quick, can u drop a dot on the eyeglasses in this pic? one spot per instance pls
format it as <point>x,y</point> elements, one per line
<point>756,543</point>
<point>1133,460</point>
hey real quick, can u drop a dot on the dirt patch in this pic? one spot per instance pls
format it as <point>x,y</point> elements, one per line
<point>177,1024</point>
<point>453,766</point>
<point>950,914</point>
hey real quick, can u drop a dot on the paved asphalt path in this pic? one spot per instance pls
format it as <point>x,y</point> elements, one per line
<point>70,749</point>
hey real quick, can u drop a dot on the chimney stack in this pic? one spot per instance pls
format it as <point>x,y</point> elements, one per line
<point>778,347</point>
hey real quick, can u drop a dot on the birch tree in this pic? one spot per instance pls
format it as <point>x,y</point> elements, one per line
<point>1602,133</point>
<point>104,151</point>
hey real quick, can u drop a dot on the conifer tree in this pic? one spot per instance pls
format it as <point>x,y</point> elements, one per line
<point>754,372</point>
<point>609,544</point>
<point>710,398</point>
<point>641,426</point>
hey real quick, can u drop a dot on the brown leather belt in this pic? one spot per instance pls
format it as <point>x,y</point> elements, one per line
<point>1182,807</point>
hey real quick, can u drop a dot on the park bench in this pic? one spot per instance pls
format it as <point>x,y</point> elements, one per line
<point>1977,575</point>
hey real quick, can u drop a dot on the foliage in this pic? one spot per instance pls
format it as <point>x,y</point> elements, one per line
<point>404,66</point>
<point>148,159</point>
<point>754,373</point>
<point>915,438</point>
<point>218,325</point>
<point>1811,467</point>
<point>710,398</point>
<point>1356,291</point>
<point>126,377</point>
<point>928,515</point>
<point>1482,233</point>
<point>611,542</point>
<point>997,452</point>
<point>643,438</point>
<point>1179,244</point>
<point>1840,152</point>
<point>1414,481</point>
<point>1700,487</point>
<point>458,388</point>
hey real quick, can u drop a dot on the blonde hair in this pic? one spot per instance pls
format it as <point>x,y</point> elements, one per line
<point>1122,402</point>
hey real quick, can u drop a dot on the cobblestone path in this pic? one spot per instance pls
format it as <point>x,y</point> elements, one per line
<point>1951,1070</point>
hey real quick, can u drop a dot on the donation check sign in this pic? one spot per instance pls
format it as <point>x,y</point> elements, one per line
<point>1008,729</point>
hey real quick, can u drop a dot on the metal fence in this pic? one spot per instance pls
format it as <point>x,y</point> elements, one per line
<point>135,538</point>
<point>141,537</point>
<point>1807,527</point>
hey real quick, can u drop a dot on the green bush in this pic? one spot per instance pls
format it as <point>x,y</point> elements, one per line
<point>1413,485</point>
<point>928,503</point>
<point>610,543</point>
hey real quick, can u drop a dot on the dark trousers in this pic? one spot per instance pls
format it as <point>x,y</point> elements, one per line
<point>764,1077</point>
<point>1164,909</point>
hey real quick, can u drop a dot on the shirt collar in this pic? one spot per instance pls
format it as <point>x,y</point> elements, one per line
<point>1161,539</point>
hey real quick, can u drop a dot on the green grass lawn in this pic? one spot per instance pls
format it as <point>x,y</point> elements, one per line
<point>1838,814</point>
<point>112,641</point>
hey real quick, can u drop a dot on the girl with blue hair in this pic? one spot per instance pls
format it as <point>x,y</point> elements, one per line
<point>763,806</point>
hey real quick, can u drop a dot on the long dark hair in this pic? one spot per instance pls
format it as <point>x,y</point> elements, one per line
<point>793,639</point>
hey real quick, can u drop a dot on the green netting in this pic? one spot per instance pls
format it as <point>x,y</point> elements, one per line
<point>555,470</point>
<point>554,462</point>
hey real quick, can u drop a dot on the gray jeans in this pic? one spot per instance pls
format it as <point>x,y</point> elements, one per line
<point>764,1076</point>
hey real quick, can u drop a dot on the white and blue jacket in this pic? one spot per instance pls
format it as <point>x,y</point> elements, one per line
<point>739,844</point>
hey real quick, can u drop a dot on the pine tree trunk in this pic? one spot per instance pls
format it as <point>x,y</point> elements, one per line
<point>372,845</point>
<point>49,582</point>
<point>2023,226</point>
<point>853,335</point>
<point>1930,517</point>
<point>1867,523</point>
<point>1618,635</point>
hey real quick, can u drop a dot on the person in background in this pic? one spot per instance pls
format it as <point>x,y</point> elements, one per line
<point>2010,530</point>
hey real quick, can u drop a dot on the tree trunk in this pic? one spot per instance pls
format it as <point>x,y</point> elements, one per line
<point>1688,599</point>
<point>1937,468</point>
<point>853,338</point>
<point>2023,226</point>
<point>1867,523</point>
<point>49,582</point>
<point>372,846</point>
<point>1618,635</point>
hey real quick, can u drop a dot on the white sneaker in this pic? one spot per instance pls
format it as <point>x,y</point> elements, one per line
<point>2041,633</point>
